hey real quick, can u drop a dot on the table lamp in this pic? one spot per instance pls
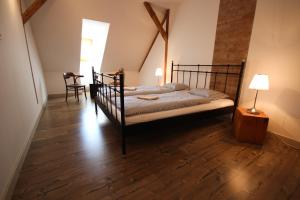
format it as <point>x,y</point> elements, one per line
<point>158,73</point>
<point>259,82</point>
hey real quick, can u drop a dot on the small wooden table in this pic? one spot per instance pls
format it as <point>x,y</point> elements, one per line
<point>250,128</point>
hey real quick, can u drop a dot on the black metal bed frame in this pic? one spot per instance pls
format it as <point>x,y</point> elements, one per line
<point>110,89</point>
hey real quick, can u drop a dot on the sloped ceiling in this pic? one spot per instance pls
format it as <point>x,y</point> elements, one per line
<point>57,31</point>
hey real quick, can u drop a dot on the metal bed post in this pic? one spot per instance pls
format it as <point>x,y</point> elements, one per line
<point>190,79</point>
<point>102,88</point>
<point>177,74</point>
<point>172,71</point>
<point>123,125</point>
<point>205,79</point>
<point>115,96</point>
<point>215,82</point>
<point>95,88</point>
<point>182,75</point>
<point>227,71</point>
<point>197,77</point>
<point>93,71</point>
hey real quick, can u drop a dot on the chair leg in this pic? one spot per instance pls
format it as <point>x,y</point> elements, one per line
<point>67,95</point>
<point>75,92</point>
<point>77,95</point>
<point>84,92</point>
<point>96,109</point>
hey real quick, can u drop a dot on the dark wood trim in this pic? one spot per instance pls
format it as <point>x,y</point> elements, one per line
<point>164,34</point>
<point>155,20</point>
<point>32,9</point>
<point>166,45</point>
<point>122,102</point>
<point>152,43</point>
<point>172,68</point>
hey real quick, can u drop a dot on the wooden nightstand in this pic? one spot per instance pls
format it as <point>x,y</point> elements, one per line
<point>250,128</point>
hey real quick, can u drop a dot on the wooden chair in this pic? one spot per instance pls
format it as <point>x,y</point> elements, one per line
<point>74,86</point>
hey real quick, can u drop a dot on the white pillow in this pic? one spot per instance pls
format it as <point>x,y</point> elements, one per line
<point>176,86</point>
<point>207,93</point>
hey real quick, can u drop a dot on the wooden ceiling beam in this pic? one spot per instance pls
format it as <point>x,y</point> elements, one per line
<point>153,41</point>
<point>156,21</point>
<point>166,46</point>
<point>32,9</point>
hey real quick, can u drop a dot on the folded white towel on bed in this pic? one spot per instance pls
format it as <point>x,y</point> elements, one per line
<point>130,88</point>
<point>147,97</point>
<point>207,93</point>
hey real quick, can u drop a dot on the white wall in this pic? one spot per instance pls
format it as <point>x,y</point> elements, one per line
<point>275,50</point>
<point>154,60</point>
<point>192,38</point>
<point>19,108</point>
<point>57,29</point>
<point>132,78</point>
<point>36,65</point>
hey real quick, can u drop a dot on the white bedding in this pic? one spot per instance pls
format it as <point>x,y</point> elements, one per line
<point>220,103</point>
<point>144,90</point>
<point>135,119</point>
<point>165,101</point>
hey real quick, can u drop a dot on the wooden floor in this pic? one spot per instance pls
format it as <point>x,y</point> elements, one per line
<point>76,155</point>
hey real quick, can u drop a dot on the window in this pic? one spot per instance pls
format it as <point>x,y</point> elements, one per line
<point>93,40</point>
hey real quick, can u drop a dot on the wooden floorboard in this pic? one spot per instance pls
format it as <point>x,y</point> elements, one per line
<point>76,155</point>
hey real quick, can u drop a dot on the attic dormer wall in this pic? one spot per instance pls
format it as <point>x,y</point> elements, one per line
<point>57,30</point>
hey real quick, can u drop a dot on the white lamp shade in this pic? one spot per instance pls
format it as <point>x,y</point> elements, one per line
<point>158,72</point>
<point>260,82</point>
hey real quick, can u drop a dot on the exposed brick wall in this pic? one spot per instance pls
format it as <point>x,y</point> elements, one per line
<point>233,34</point>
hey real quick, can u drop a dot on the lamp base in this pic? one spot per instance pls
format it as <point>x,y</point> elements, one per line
<point>253,111</point>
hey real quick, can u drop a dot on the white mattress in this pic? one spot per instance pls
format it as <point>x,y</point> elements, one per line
<point>220,103</point>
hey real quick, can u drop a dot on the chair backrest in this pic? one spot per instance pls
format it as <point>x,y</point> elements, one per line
<point>68,75</point>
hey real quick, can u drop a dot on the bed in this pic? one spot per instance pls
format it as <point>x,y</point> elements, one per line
<point>125,109</point>
<point>144,90</point>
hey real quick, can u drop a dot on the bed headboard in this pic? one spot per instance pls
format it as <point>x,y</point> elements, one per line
<point>227,78</point>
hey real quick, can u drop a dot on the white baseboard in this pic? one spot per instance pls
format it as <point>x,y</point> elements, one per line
<point>71,94</point>
<point>8,191</point>
<point>288,141</point>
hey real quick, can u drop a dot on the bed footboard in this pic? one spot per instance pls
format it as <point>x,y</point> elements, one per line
<point>110,98</point>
